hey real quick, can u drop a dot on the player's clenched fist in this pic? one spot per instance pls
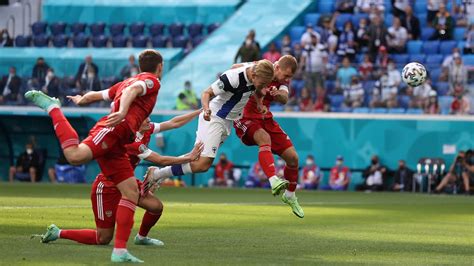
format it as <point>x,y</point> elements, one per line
<point>207,115</point>
<point>114,119</point>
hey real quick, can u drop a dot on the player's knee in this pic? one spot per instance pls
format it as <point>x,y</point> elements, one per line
<point>262,137</point>
<point>202,166</point>
<point>157,209</point>
<point>292,160</point>
<point>104,240</point>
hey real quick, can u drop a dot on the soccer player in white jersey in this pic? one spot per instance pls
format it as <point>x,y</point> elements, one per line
<point>222,103</point>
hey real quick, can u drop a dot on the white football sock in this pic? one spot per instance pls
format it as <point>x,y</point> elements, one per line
<point>119,251</point>
<point>289,194</point>
<point>273,179</point>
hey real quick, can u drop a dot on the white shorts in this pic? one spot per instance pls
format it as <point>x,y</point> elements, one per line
<point>212,133</point>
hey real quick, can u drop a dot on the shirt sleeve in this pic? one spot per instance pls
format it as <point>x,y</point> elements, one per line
<point>139,149</point>
<point>109,94</point>
<point>226,82</point>
<point>156,128</point>
<point>149,84</point>
<point>284,87</point>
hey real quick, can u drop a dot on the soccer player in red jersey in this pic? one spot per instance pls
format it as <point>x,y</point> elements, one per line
<point>105,197</point>
<point>134,101</point>
<point>257,128</point>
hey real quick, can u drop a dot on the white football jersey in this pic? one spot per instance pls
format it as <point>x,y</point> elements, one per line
<point>233,90</point>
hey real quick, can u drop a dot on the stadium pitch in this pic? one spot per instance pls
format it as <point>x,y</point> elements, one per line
<point>235,226</point>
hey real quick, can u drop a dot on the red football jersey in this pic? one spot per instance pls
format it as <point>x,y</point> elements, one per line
<point>143,105</point>
<point>251,110</point>
<point>140,146</point>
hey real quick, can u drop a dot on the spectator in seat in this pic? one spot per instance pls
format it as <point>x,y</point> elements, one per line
<point>305,101</point>
<point>130,70</point>
<point>272,54</point>
<point>286,45</point>
<point>257,177</point>
<point>344,74</point>
<point>469,47</point>
<point>313,61</point>
<point>447,62</point>
<point>411,23</point>
<point>433,9</point>
<point>346,45</point>
<point>431,105</point>
<point>83,72</point>
<point>443,24</point>
<point>52,83</point>
<point>457,72</point>
<point>280,167</point>
<point>311,174</point>
<point>366,68</point>
<point>248,52</point>
<point>377,36</point>
<point>362,36</point>
<point>385,93</point>
<point>399,7</point>
<point>461,168</point>
<point>345,6</point>
<point>463,12</point>
<point>223,174</point>
<point>374,174</point>
<point>461,104</point>
<point>187,99</point>
<point>367,6</point>
<point>322,102</point>
<point>26,166</point>
<point>382,59</point>
<point>354,94</point>
<point>403,177</point>
<point>5,40</point>
<point>340,175</point>
<point>10,86</point>
<point>38,77</point>
<point>307,35</point>
<point>91,82</point>
<point>420,94</point>
<point>251,36</point>
<point>393,73</point>
<point>397,37</point>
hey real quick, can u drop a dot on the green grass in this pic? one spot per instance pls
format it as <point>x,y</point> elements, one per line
<point>220,226</point>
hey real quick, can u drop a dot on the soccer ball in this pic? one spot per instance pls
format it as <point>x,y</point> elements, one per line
<point>414,74</point>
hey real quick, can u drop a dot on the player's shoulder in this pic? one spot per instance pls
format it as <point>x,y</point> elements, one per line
<point>150,79</point>
<point>232,76</point>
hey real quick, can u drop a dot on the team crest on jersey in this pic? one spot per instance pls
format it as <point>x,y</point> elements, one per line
<point>108,214</point>
<point>143,148</point>
<point>149,83</point>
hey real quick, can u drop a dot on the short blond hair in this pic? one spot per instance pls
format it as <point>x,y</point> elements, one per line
<point>288,61</point>
<point>264,70</point>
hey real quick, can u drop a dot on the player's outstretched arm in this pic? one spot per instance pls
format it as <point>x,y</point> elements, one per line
<point>129,94</point>
<point>162,160</point>
<point>206,97</point>
<point>179,121</point>
<point>88,98</point>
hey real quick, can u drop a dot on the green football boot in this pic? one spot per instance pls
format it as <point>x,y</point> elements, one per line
<point>125,257</point>
<point>52,234</point>
<point>148,241</point>
<point>295,206</point>
<point>42,100</point>
<point>278,185</point>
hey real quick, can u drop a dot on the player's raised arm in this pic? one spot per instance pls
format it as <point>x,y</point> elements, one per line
<point>129,94</point>
<point>88,98</point>
<point>179,121</point>
<point>206,97</point>
<point>162,160</point>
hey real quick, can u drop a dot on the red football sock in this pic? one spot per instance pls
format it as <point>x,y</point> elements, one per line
<point>149,220</point>
<point>124,220</point>
<point>291,174</point>
<point>265,157</point>
<point>84,236</point>
<point>66,134</point>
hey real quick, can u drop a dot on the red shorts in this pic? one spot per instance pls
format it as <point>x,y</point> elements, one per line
<point>108,148</point>
<point>105,198</point>
<point>246,128</point>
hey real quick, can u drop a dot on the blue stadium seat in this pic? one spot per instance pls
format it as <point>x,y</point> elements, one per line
<point>195,29</point>
<point>420,7</point>
<point>446,47</point>
<point>198,40</point>
<point>461,46</point>
<point>434,74</point>
<point>97,29</point>
<point>57,28</point>
<point>404,101</point>
<point>330,86</point>
<point>341,19</point>
<point>459,33</point>
<point>60,40</point>
<point>157,29</point>
<point>137,28</point>
<point>434,60</point>
<point>357,17</point>
<point>297,85</point>
<point>41,40</point>
<point>431,47</point>
<point>361,110</point>
<point>442,88</point>
<point>116,29</point>
<point>423,18</point>
<point>445,103</point>
<point>139,41</point>
<point>296,32</point>
<point>378,110</point>
<point>159,41</point>
<point>22,41</point>
<point>420,58</point>
<point>427,33</point>
<point>400,59</point>
<point>325,7</point>
<point>396,110</point>
<point>468,60</point>
<point>414,111</point>
<point>99,41</point>
<point>176,29</point>
<point>78,28</point>
<point>39,28</point>
<point>212,27</point>
<point>180,41</point>
<point>336,100</point>
<point>311,18</point>
<point>80,41</point>
<point>388,21</point>
<point>414,47</point>
<point>119,41</point>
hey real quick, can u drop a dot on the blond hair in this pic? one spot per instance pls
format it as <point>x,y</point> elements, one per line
<point>288,61</point>
<point>264,70</point>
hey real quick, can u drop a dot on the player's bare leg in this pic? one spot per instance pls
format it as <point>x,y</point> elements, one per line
<point>154,209</point>
<point>291,174</point>
<point>267,162</point>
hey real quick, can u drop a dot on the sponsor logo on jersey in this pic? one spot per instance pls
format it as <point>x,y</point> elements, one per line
<point>149,83</point>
